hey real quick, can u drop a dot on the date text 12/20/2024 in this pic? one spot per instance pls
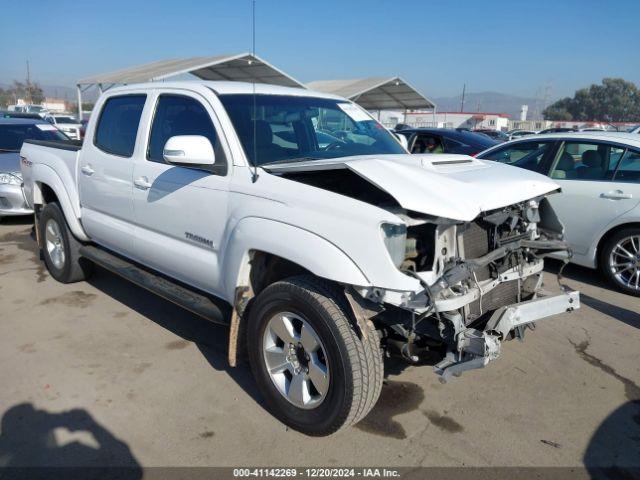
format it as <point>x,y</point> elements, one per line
<point>316,472</point>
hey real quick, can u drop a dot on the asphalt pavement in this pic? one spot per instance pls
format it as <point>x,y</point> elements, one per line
<point>105,373</point>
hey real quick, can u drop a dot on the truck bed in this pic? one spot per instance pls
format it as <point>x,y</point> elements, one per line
<point>58,161</point>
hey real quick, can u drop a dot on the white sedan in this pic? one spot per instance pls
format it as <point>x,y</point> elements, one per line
<point>599,173</point>
<point>68,125</point>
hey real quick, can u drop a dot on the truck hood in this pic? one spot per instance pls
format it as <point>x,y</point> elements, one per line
<point>456,187</point>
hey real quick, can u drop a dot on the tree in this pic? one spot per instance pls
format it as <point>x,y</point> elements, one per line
<point>560,110</point>
<point>5,98</point>
<point>31,92</point>
<point>615,100</point>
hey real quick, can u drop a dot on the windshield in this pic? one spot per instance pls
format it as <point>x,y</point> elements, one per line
<point>12,136</point>
<point>290,128</point>
<point>65,120</point>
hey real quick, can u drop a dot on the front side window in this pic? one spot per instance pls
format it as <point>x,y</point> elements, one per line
<point>283,128</point>
<point>427,144</point>
<point>586,161</point>
<point>527,155</point>
<point>179,115</point>
<point>118,124</point>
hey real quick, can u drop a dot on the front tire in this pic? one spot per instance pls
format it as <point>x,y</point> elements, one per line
<point>60,248</point>
<point>620,260</point>
<point>316,371</point>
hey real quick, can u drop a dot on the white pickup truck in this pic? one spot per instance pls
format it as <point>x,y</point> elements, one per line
<point>299,221</point>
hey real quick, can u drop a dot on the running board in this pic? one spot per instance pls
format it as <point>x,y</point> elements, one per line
<point>216,311</point>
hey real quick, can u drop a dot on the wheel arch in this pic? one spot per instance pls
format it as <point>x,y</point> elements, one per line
<point>259,253</point>
<point>48,187</point>
<point>608,234</point>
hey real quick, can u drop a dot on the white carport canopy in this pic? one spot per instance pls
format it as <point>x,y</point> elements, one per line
<point>376,93</point>
<point>243,67</point>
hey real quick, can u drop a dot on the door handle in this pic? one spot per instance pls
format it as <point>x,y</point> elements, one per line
<point>142,183</point>
<point>87,170</point>
<point>616,195</point>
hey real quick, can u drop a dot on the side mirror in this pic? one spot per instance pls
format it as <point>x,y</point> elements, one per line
<point>189,150</point>
<point>403,140</point>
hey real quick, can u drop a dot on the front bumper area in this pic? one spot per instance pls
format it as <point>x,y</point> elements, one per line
<point>12,201</point>
<point>475,348</point>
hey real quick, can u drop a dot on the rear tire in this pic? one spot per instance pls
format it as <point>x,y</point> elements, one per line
<point>60,248</point>
<point>620,260</point>
<point>353,365</point>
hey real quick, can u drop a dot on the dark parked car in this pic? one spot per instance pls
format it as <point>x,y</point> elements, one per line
<point>14,131</point>
<point>445,140</point>
<point>557,130</point>
<point>495,134</point>
<point>11,114</point>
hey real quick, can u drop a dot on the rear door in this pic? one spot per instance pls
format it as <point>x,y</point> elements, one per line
<point>106,171</point>
<point>600,182</point>
<point>181,212</point>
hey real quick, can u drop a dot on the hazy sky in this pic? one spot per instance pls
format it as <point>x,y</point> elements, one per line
<point>509,46</point>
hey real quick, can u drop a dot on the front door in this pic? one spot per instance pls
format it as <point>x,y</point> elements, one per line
<point>599,183</point>
<point>106,172</point>
<point>181,212</point>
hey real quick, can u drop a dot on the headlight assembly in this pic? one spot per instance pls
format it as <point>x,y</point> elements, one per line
<point>13,178</point>
<point>395,238</point>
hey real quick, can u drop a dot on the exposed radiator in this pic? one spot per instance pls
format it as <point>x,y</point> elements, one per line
<point>504,294</point>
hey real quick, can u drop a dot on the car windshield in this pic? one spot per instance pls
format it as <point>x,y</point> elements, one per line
<point>13,135</point>
<point>65,120</point>
<point>292,128</point>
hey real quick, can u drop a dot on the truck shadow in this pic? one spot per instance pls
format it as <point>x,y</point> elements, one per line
<point>211,339</point>
<point>592,277</point>
<point>20,220</point>
<point>576,272</point>
<point>39,444</point>
<point>614,449</point>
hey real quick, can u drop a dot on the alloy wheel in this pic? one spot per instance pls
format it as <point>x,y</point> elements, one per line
<point>54,243</point>
<point>296,360</point>
<point>624,262</point>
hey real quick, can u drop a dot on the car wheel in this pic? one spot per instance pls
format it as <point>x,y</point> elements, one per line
<point>620,260</point>
<point>315,369</point>
<point>60,248</point>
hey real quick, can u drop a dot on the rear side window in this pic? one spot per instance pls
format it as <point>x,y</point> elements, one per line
<point>629,168</point>
<point>180,115</point>
<point>118,124</point>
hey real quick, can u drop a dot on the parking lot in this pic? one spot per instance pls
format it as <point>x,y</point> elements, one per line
<point>105,373</point>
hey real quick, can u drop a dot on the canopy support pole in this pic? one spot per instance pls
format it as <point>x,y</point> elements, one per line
<point>79,90</point>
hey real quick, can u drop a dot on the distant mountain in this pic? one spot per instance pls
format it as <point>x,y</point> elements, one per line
<point>491,102</point>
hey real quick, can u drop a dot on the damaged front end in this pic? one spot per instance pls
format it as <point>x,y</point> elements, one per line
<point>481,285</point>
